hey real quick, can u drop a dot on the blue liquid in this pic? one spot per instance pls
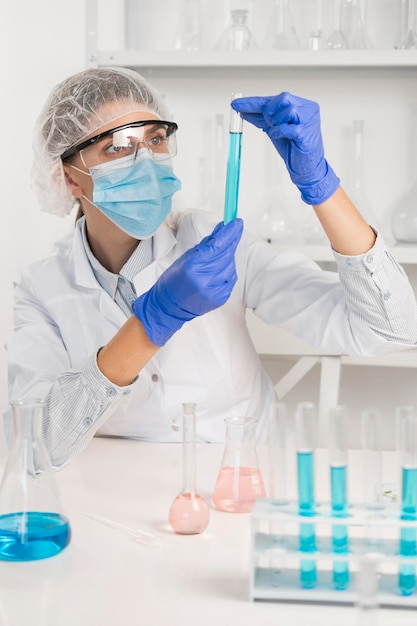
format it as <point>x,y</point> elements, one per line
<point>408,538</point>
<point>306,506</point>
<point>340,544</point>
<point>232,177</point>
<point>31,536</point>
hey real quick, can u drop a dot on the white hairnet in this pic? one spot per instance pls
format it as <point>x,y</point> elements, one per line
<point>75,109</point>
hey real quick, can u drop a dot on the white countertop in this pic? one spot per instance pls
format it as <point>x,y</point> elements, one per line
<point>103,578</point>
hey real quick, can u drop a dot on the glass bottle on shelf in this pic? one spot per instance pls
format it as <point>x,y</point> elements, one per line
<point>336,40</point>
<point>409,41</point>
<point>281,34</point>
<point>32,523</point>
<point>352,25</point>
<point>189,513</point>
<point>239,481</point>
<point>315,38</point>
<point>237,36</point>
<point>357,191</point>
<point>188,36</point>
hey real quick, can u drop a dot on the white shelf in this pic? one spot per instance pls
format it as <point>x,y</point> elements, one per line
<point>257,59</point>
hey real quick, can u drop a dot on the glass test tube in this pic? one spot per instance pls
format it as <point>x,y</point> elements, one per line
<point>277,436</point>
<point>371,445</point>
<point>233,163</point>
<point>338,421</point>
<point>367,590</point>
<point>408,536</point>
<point>305,441</point>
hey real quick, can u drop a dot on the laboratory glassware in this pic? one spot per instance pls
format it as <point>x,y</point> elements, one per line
<point>371,447</point>
<point>338,429</point>
<point>367,590</point>
<point>277,446</point>
<point>336,40</point>
<point>404,217</point>
<point>237,36</point>
<point>352,25</point>
<point>408,536</point>
<point>239,481</point>
<point>189,513</point>
<point>281,33</point>
<point>305,430</point>
<point>276,224</point>
<point>138,535</point>
<point>32,523</point>
<point>409,41</point>
<point>214,198</point>
<point>188,36</point>
<point>315,38</point>
<point>357,191</point>
<point>233,164</point>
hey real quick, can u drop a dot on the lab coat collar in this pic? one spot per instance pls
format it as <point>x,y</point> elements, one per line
<point>163,241</point>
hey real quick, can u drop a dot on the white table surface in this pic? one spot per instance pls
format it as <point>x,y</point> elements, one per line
<point>103,578</point>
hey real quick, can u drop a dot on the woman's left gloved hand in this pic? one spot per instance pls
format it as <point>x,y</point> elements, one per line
<point>293,125</point>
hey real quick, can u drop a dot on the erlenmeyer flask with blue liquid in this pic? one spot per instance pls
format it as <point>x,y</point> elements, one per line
<point>32,524</point>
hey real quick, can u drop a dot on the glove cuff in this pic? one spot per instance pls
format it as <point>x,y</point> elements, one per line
<point>319,191</point>
<point>159,326</point>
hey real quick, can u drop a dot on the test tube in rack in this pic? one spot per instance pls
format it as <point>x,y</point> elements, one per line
<point>305,418</point>
<point>408,536</point>
<point>338,419</point>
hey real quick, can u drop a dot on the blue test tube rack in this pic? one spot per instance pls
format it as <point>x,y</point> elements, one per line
<point>276,559</point>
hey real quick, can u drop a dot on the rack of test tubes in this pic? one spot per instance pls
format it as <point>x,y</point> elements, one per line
<point>316,552</point>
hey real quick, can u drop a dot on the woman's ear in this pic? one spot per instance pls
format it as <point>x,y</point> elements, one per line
<point>71,178</point>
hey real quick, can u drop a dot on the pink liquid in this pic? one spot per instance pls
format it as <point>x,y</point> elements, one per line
<point>237,489</point>
<point>189,514</point>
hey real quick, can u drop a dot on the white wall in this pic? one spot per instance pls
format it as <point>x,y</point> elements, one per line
<point>41,43</point>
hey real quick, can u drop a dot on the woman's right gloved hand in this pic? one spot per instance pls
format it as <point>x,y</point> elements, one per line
<point>199,281</point>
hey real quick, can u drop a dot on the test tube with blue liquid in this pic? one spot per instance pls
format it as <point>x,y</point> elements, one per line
<point>233,164</point>
<point>305,418</point>
<point>338,421</point>
<point>408,535</point>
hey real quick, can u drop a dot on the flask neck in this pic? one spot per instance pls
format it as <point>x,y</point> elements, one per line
<point>188,450</point>
<point>27,420</point>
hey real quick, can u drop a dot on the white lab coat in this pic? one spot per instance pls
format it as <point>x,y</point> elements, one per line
<point>63,316</point>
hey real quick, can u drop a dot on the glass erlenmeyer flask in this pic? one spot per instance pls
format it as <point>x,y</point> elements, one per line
<point>357,192</point>
<point>32,524</point>
<point>404,217</point>
<point>237,36</point>
<point>189,513</point>
<point>336,40</point>
<point>239,481</point>
<point>281,34</point>
<point>352,25</point>
<point>276,224</point>
<point>409,41</point>
<point>188,36</point>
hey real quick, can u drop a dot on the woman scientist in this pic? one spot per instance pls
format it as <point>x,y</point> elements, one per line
<point>140,310</point>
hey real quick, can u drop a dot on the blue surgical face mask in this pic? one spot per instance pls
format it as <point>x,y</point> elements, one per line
<point>137,198</point>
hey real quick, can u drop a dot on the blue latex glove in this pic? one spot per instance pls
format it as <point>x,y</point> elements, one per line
<point>199,281</point>
<point>293,125</point>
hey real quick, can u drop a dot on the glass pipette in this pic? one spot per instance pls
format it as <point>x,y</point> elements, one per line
<point>136,534</point>
<point>305,435</point>
<point>338,418</point>
<point>233,164</point>
<point>408,536</point>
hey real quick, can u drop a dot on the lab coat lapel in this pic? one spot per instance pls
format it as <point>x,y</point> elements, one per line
<point>84,277</point>
<point>164,246</point>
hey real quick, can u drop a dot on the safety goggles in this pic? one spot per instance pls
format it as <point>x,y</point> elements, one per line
<point>156,136</point>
